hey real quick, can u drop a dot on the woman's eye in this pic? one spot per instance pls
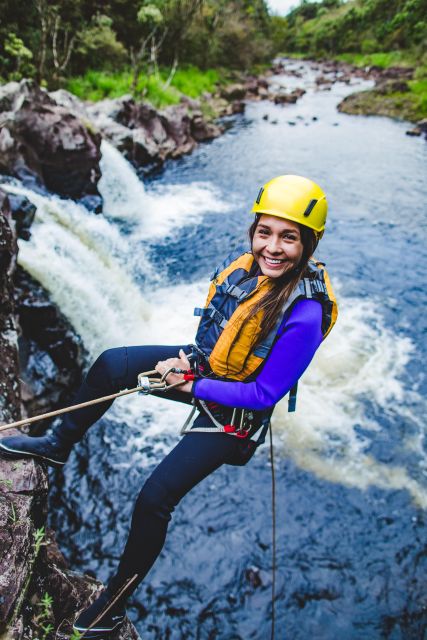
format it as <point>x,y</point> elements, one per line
<point>289,236</point>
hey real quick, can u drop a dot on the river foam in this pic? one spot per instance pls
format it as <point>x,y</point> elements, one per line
<point>362,363</point>
<point>83,261</point>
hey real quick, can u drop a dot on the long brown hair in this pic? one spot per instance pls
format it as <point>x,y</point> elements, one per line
<point>276,296</point>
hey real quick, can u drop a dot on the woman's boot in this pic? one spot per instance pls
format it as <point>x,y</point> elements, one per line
<point>108,612</point>
<point>53,448</point>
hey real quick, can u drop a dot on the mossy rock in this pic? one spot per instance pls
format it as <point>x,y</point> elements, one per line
<point>403,106</point>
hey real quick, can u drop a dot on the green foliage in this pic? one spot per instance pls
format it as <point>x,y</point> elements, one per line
<point>97,85</point>
<point>192,81</point>
<point>380,59</point>
<point>17,60</point>
<point>366,26</point>
<point>98,46</point>
<point>149,15</point>
<point>15,47</point>
<point>55,40</point>
<point>188,80</point>
<point>43,620</point>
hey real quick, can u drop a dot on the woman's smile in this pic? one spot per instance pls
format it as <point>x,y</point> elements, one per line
<point>276,245</point>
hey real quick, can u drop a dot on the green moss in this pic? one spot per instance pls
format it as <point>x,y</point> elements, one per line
<point>403,106</point>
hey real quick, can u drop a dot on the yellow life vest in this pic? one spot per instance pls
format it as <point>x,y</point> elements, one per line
<point>227,338</point>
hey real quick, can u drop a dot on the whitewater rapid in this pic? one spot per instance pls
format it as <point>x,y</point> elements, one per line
<point>98,277</point>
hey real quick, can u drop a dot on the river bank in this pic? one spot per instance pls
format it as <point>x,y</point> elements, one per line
<point>399,92</point>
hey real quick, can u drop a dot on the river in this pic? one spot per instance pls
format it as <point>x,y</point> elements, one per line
<point>351,463</point>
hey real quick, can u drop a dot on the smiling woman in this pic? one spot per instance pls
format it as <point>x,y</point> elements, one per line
<point>267,311</point>
<point>276,245</point>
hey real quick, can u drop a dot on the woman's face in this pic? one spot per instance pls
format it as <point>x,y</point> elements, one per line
<point>276,245</point>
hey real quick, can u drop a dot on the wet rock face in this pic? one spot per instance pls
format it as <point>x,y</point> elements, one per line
<point>9,383</point>
<point>51,354</point>
<point>148,137</point>
<point>23,212</point>
<point>31,565</point>
<point>45,144</point>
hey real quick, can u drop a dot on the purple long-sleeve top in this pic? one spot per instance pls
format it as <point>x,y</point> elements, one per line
<point>300,336</point>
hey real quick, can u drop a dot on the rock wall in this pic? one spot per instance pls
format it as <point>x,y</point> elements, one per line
<point>9,383</point>
<point>36,587</point>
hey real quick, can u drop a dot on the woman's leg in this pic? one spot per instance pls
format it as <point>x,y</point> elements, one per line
<point>195,457</point>
<point>114,370</point>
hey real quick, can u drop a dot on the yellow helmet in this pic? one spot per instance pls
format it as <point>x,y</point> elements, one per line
<point>294,198</point>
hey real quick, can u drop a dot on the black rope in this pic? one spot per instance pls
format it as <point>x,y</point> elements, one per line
<point>273,514</point>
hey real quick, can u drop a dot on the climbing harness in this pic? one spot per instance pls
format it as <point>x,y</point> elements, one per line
<point>146,384</point>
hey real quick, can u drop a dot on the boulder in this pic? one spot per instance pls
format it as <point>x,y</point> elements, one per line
<point>51,353</point>
<point>385,86</point>
<point>282,97</point>
<point>23,212</point>
<point>17,158</point>
<point>234,91</point>
<point>46,144</point>
<point>201,130</point>
<point>238,106</point>
<point>177,123</point>
<point>397,73</point>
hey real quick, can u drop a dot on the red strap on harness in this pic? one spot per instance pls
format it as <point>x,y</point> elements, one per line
<point>230,428</point>
<point>189,376</point>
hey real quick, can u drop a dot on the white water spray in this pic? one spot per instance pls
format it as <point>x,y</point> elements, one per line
<point>84,263</point>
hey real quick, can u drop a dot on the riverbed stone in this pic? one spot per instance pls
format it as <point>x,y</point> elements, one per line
<point>234,92</point>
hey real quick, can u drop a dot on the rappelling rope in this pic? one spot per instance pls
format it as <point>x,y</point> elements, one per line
<point>155,384</point>
<point>273,517</point>
<point>110,604</point>
<point>146,385</point>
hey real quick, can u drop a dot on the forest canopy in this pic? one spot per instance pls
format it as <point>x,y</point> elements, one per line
<point>55,41</point>
<point>50,40</point>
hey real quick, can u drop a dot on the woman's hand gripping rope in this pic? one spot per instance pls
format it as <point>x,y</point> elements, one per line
<point>176,371</point>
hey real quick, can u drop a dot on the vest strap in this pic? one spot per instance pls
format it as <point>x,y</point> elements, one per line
<point>307,287</point>
<point>236,292</point>
<point>264,348</point>
<point>292,400</point>
<point>212,313</point>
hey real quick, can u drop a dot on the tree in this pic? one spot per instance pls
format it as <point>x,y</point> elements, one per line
<point>16,49</point>
<point>150,19</point>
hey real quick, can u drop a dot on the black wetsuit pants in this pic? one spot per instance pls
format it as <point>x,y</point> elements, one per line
<point>195,456</point>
